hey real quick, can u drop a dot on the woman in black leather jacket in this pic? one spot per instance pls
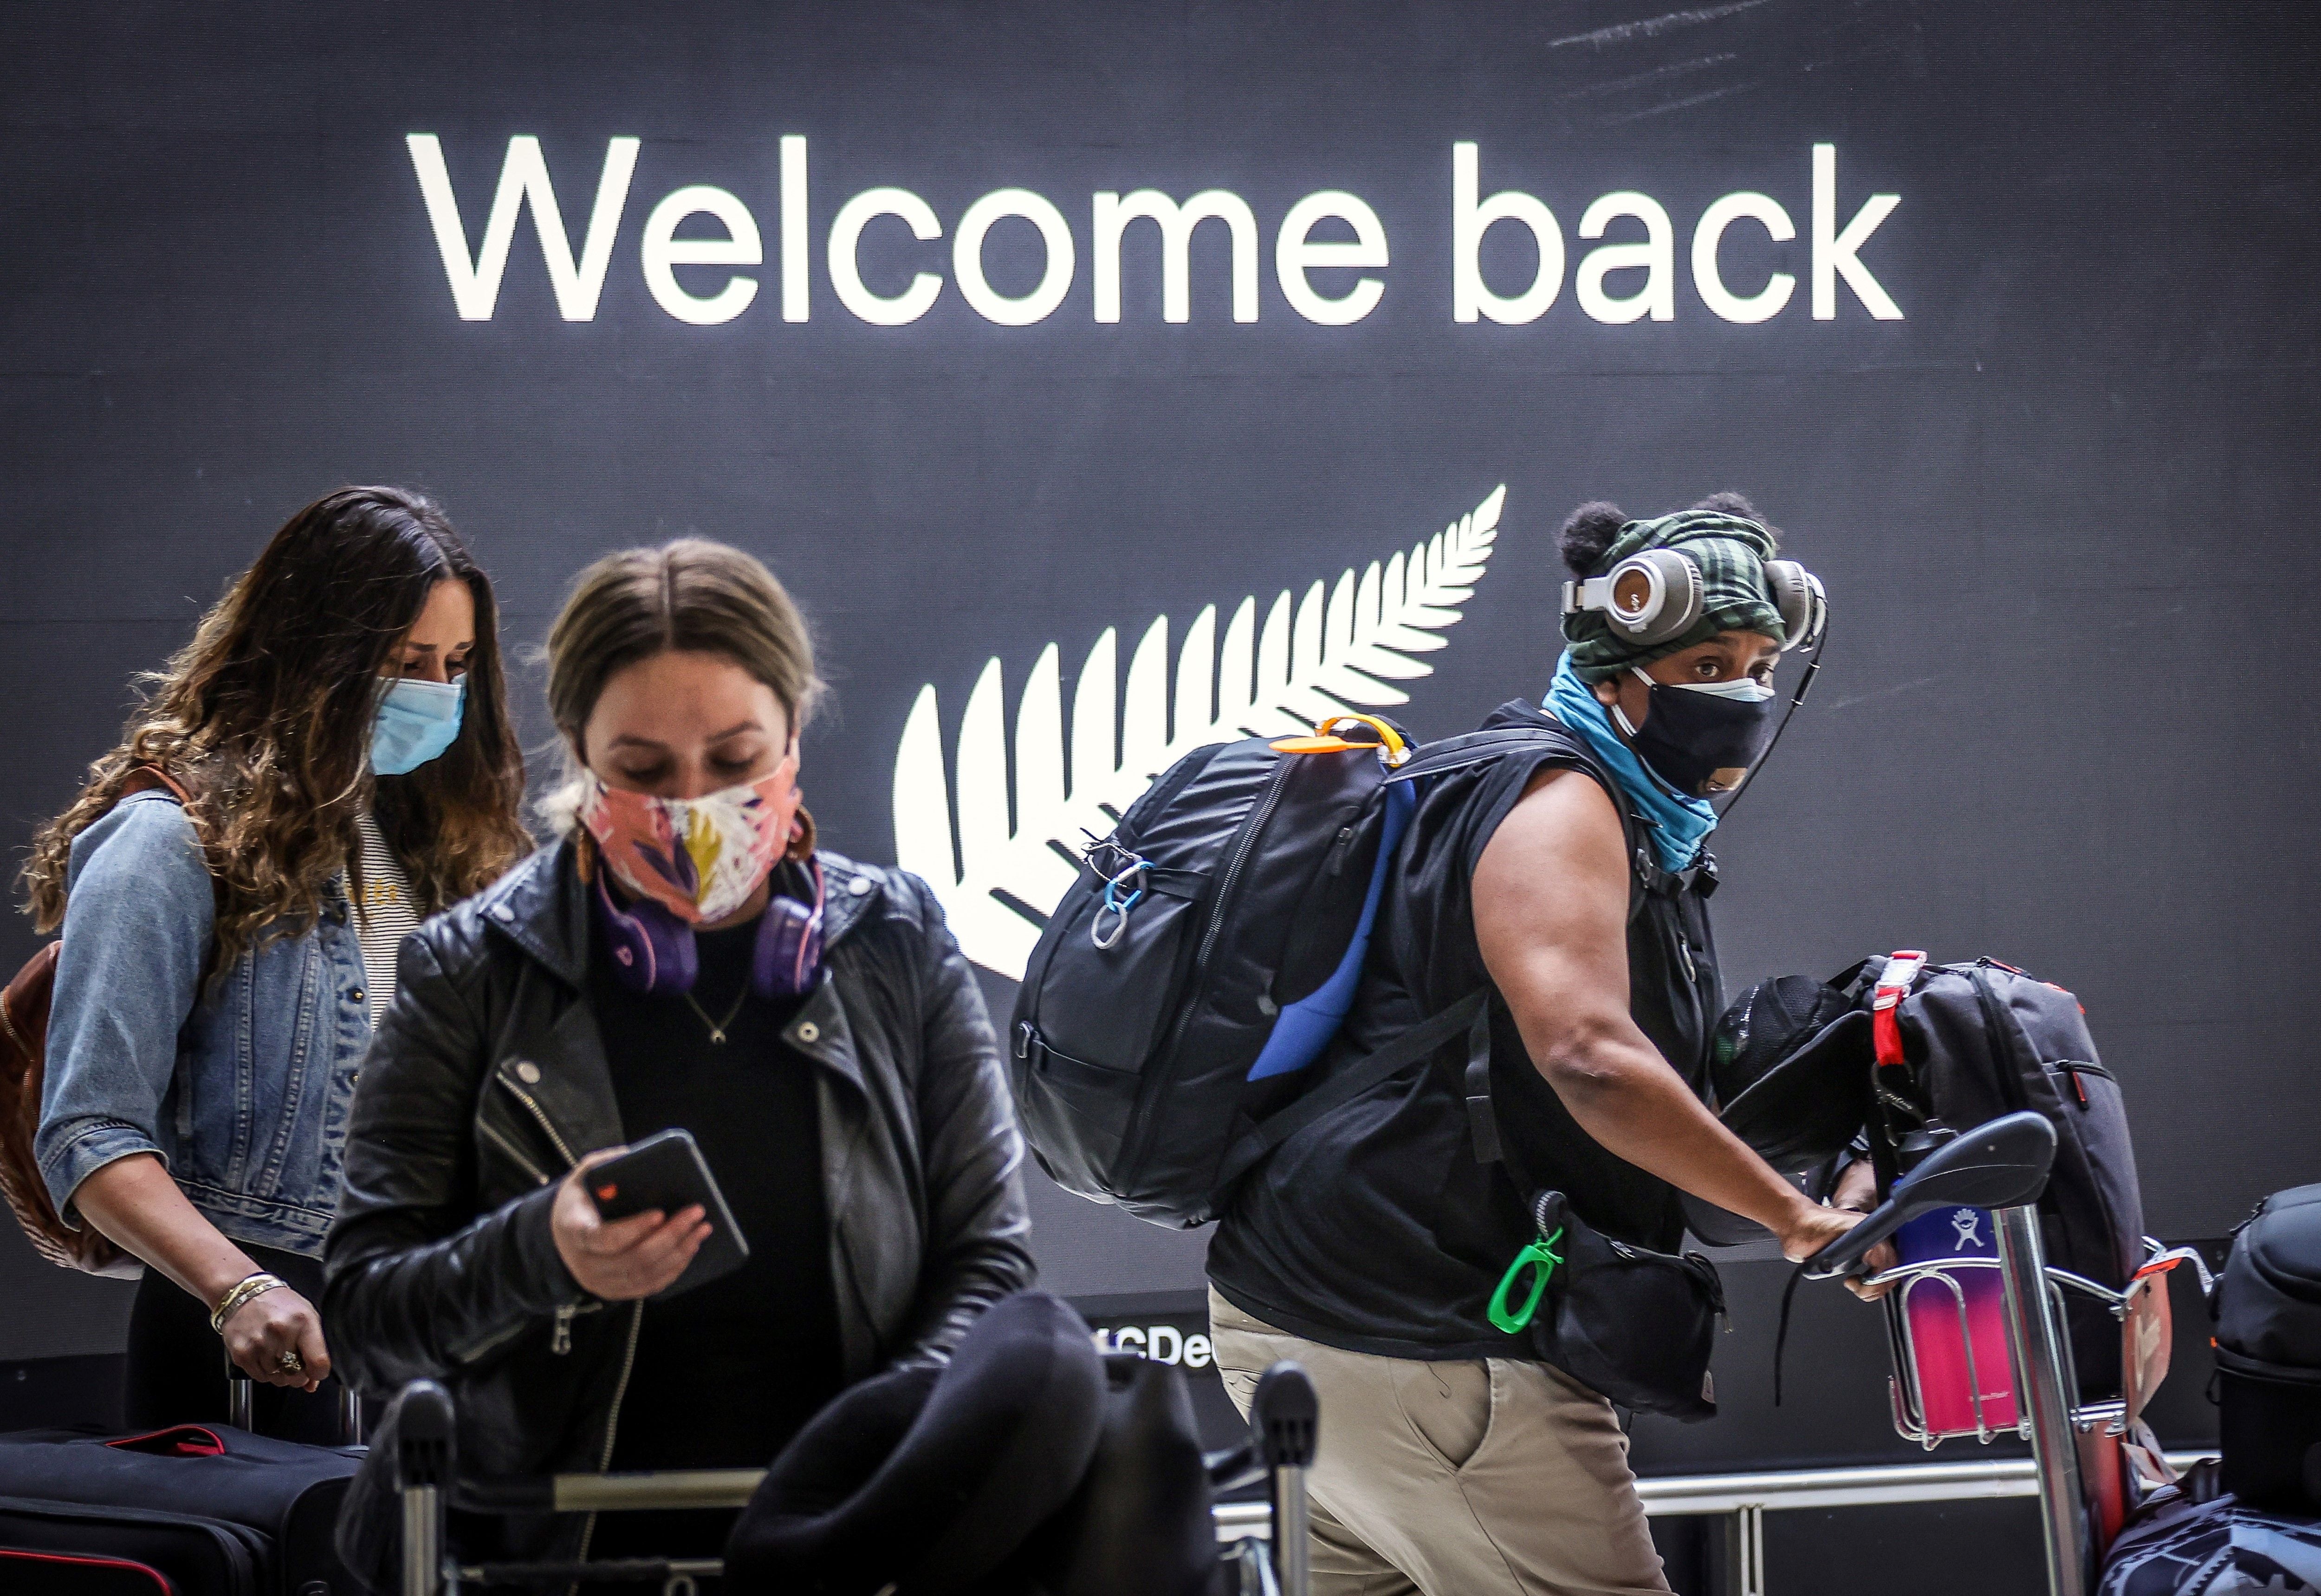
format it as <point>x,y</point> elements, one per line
<point>683,956</point>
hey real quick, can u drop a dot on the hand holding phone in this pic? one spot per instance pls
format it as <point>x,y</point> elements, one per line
<point>608,1235</point>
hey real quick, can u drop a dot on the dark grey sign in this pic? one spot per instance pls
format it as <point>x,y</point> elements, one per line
<point>1104,376</point>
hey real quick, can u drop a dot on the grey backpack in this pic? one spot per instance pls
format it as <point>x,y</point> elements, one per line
<point>1983,1040</point>
<point>1798,1065</point>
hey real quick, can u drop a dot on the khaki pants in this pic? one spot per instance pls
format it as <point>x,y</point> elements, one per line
<point>1480,1478</point>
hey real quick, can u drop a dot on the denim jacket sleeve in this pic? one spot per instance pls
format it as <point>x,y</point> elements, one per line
<point>138,922</point>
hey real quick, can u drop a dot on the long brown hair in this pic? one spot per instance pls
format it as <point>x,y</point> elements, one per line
<point>265,717</point>
<point>689,596</point>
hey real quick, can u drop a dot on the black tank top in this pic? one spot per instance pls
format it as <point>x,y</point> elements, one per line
<point>1375,1229</point>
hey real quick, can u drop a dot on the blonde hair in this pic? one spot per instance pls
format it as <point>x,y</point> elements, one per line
<point>690,597</point>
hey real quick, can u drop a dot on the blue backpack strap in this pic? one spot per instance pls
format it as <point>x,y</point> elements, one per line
<point>1305,1026</point>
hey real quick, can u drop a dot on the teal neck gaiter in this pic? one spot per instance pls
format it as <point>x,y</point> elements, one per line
<point>1679,825</point>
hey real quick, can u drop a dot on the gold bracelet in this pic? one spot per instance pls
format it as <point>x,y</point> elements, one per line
<point>248,1287</point>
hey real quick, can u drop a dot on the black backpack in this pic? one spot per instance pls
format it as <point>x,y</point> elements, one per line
<point>2268,1311</point>
<point>1206,956</point>
<point>1983,1040</point>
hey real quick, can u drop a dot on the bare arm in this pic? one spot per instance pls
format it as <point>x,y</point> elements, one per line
<point>134,1202</point>
<point>1551,916</point>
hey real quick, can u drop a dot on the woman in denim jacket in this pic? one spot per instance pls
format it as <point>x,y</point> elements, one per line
<point>338,763</point>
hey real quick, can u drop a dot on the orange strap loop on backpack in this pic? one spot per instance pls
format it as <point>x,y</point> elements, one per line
<point>1325,739</point>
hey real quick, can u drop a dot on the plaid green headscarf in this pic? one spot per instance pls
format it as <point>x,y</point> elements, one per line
<point>1730,553</point>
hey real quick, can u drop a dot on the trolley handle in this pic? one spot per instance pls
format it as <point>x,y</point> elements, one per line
<point>2001,1164</point>
<point>1284,1417</point>
<point>1284,1423</point>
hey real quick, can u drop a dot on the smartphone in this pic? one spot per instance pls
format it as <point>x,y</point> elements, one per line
<point>667,1170</point>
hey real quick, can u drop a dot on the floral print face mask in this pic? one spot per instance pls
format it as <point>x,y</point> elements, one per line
<point>700,858</point>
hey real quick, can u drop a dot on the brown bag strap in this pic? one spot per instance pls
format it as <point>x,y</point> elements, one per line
<point>149,778</point>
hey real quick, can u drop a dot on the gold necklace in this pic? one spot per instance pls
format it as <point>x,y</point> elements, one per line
<point>718,1027</point>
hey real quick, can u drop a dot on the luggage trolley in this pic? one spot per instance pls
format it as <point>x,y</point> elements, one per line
<point>1283,1420</point>
<point>1905,1385</point>
<point>2076,1449</point>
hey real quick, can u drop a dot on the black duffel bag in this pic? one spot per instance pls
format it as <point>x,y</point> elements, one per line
<point>1028,1464</point>
<point>2268,1311</point>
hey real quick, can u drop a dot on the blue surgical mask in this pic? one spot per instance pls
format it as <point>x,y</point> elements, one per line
<point>417,721</point>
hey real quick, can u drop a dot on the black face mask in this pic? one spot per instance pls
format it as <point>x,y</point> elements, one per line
<point>1690,734</point>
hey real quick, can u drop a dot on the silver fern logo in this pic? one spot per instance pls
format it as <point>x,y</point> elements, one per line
<point>1341,647</point>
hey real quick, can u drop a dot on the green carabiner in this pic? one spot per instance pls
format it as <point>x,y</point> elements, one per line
<point>1540,1254</point>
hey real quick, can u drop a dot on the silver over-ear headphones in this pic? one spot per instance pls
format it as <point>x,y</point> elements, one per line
<point>1797,594</point>
<point>1649,597</point>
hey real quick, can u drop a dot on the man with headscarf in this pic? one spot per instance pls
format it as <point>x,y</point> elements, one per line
<point>1567,875</point>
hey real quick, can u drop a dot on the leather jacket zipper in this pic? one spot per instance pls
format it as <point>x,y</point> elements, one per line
<point>560,1339</point>
<point>514,1154</point>
<point>613,1420</point>
<point>562,1149</point>
<point>475,1349</point>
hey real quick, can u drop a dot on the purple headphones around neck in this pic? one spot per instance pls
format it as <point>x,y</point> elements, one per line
<point>653,951</point>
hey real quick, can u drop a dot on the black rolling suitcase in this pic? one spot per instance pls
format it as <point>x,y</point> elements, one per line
<point>191,1510</point>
